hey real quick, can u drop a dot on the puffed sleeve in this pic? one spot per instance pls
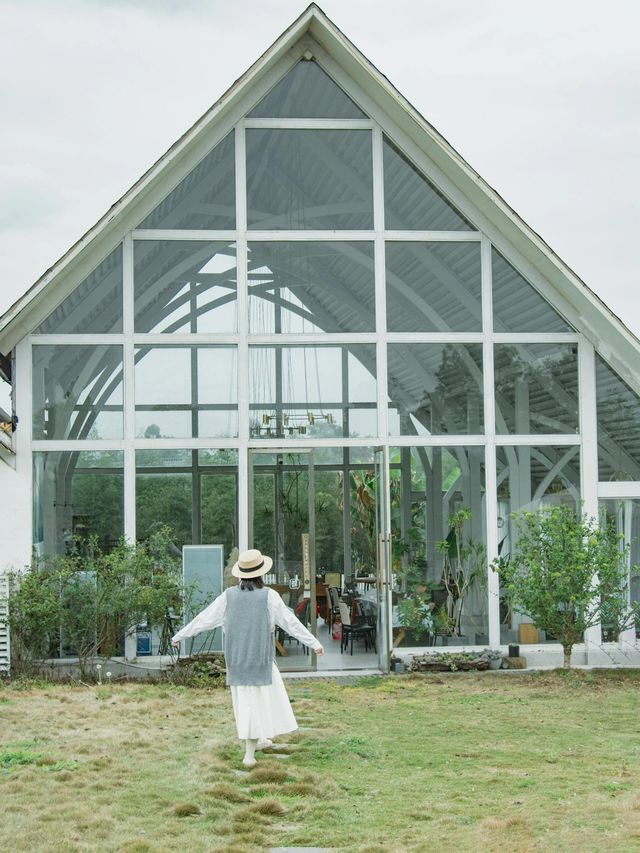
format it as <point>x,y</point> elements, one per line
<point>211,617</point>
<point>284,618</point>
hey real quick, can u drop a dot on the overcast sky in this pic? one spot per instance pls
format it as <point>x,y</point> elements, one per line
<point>543,99</point>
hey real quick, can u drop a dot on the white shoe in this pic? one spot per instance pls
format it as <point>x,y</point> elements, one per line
<point>264,743</point>
<point>249,762</point>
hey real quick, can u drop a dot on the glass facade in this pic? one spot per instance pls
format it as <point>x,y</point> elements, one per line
<point>305,287</point>
<point>439,561</point>
<point>433,287</point>
<point>435,389</point>
<point>303,179</point>
<point>261,312</point>
<point>196,397</point>
<point>528,478</point>
<point>77,392</point>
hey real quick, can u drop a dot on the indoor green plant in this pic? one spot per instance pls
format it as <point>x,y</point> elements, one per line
<point>464,566</point>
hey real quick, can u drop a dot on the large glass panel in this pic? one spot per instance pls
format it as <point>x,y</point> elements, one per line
<point>625,515</point>
<point>311,287</point>
<point>306,91</point>
<point>433,287</point>
<point>345,493</point>
<point>517,306</point>
<point>435,388</point>
<point>194,495</point>
<point>78,505</point>
<point>77,391</point>
<point>411,202</point>
<point>77,496</point>
<point>299,179</point>
<point>528,478</point>
<point>186,391</point>
<point>185,286</point>
<point>439,559</point>
<point>205,198</point>
<point>192,492</point>
<point>536,388</point>
<point>320,391</point>
<point>94,306</point>
<point>618,426</point>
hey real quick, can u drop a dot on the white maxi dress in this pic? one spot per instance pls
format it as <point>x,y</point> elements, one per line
<point>262,711</point>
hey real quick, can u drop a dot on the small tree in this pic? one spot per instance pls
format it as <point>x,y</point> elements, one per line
<point>567,573</point>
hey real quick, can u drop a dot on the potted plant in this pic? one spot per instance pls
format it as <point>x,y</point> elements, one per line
<point>494,656</point>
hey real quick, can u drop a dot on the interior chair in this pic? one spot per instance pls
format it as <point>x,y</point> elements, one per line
<point>355,629</point>
<point>367,612</point>
<point>303,612</point>
<point>333,605</point>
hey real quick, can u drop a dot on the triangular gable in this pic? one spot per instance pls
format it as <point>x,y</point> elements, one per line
<point>306,91</point>
<point>420,142</point>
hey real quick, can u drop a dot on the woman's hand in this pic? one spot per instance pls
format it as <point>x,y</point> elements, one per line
<point>319,651</point>
<point>176,645</point>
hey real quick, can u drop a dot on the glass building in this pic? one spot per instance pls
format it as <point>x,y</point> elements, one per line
<point>313,329</point>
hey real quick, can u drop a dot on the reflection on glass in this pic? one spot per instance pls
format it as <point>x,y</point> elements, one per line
<point>192,493</point>
<point>528,478</point>
<point>439,594</point>
<point>320,391</point>
<point>433,287</point>
<point>625,516</point>
<point>311,287</point>
<point>306,91</point>
<point>435,389</point>
<point>94,306</point>
<point>205,198</point>
<point>517,306</point>
<point>536,388</point>
<point>77,392</point>
<point>618,426</point>
<point>196,397</point>
<point>411,202</point>
<point>298,179</point>
<point>185,286</point>
<point>77,496</point>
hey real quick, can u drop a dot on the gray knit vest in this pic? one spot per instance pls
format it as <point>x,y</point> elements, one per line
<point>248,642</point>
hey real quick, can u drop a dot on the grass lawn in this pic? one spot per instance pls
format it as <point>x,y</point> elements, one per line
<point>463,762</point>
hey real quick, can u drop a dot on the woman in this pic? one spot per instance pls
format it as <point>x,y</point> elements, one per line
<point>249,613</point>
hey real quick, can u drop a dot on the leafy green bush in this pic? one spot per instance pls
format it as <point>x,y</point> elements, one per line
<point>93,598</point>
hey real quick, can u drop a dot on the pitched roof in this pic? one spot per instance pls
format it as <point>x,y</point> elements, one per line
<point>494,216</point>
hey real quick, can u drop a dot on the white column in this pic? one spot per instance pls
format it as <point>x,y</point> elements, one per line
<point>491,486</point>
<point>243,341</point>
<point>129,426</point>
<point>589,459</point>
<point>380,288</point>
<point>16,526</point>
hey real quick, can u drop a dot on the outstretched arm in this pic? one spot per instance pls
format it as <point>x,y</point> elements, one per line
<point>211,617</point>
<point>287,620</point>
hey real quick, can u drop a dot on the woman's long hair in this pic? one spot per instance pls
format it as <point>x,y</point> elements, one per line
<point>251,583</point>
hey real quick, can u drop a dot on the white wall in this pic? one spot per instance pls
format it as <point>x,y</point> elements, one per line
<point>15,485</point>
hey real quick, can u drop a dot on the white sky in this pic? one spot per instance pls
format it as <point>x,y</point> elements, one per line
<point>543,99</point>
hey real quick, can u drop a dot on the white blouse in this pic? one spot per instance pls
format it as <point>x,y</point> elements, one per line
<point>213,616</point>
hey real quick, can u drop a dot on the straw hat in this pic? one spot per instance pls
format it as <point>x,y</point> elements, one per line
<point>251,564</point>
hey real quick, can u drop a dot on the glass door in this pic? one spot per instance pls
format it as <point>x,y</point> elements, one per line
<point>282,525</point>
<point>383,560</point>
